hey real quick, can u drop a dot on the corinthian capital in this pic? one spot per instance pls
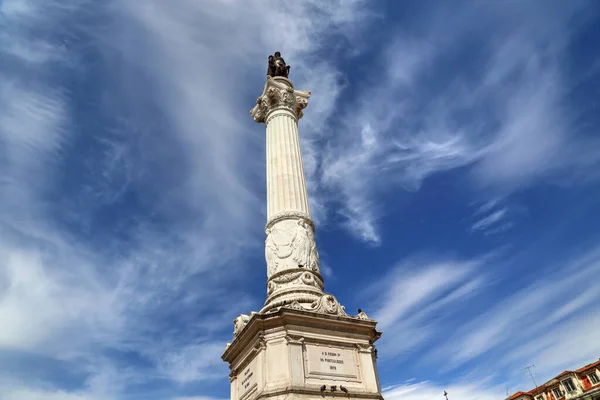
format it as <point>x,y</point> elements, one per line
<point>279,94</point>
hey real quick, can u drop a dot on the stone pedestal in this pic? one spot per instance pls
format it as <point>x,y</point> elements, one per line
<point>302,344</point>
<point>297,354</point>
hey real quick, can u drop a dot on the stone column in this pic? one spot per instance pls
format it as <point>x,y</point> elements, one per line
<point>290,250</point>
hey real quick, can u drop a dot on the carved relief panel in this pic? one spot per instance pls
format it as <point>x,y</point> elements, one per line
<point>290,244</point>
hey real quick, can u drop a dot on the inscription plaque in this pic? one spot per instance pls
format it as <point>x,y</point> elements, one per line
<point>331,361</point>
<point>247,379</point>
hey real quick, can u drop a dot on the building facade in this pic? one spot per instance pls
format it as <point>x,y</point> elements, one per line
<point>581,384</point>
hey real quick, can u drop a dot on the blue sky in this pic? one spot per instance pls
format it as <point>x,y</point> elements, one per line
<point>452,156</point>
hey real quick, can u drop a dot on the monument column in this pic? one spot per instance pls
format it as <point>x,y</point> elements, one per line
<point>293,273</point>
<point>302,345</point>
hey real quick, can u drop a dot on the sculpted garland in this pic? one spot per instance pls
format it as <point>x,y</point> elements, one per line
<point>290,279</point>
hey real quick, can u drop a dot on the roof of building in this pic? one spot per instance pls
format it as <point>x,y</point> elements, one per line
<point>563,374</point>
<point>537,390</point>
<point>589,366</point>
<point>554,380</point>
<point>518,394</point>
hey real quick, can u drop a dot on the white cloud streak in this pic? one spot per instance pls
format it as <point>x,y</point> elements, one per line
<point>428,390</point>
<point>505,119</point>
<point>167,118</point>
<point>489,220</point>
<point>542,321</point>
<point>169,133</point>
<point>537,323</point>
<point>415,297</point>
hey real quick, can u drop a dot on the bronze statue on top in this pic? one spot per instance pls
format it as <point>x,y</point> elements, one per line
<point>277,66</point>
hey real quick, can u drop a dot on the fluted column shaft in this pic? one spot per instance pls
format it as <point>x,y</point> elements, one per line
<point>286,183</point>
<point>290,249</point>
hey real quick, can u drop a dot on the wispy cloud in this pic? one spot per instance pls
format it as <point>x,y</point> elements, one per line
<point>129,179</point>
<point>31,394</point>
<point>506,119</point>
<point>195,398</point>
<point>488,220</point>
<point>428,390</point>
<point>194,363</point>
<point>416,297</point>
<point>534,322</point>
<point>540,321</point>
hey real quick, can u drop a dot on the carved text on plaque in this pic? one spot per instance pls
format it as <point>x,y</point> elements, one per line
<point>331,361</point>
<point>247,379</point>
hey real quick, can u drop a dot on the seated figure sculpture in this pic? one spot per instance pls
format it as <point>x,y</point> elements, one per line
<point>277,66</point>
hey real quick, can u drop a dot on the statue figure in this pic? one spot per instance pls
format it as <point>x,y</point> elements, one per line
<point>239,323</point>
<point>314,257</point>
<point>301,244</point>
<point>271,250</point>
<point>271,66</point>
<point>277,66</point>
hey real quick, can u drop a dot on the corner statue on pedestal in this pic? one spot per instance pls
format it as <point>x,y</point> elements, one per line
<point>277,66</point>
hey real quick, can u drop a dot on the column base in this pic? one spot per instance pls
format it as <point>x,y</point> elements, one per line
<point>298,354</point>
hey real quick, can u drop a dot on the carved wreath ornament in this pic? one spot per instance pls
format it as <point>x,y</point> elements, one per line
<point>328,304</point>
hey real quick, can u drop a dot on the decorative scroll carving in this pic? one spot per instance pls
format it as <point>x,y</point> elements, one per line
<point>279,95</point>
<point>328,304</point>
<point>291,278</point>
<point>259,112</point>
<point>364,347</point>
<point>294,339</point>
<point>301,104</point>
<point>291,244</point>
<point>271,287</point>
<point>261,343</point>
<point>239,323</point>
<point>233,375</point>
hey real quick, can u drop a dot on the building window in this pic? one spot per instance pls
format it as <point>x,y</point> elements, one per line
<point>540,397</point>
<point>569,385</point>
<point>557,393</point>
<point>593,377</point>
